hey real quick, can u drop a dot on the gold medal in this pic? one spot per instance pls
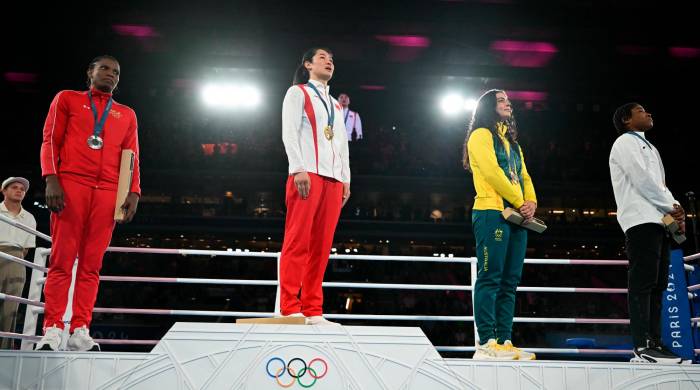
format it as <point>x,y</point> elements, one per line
<point>328,132</point>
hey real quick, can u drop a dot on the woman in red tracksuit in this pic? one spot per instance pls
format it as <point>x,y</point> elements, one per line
<point>84,135</point>
<point>318,185</point>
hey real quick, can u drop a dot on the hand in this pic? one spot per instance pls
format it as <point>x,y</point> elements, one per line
<point>678,213</point>
<point>303,183</point>
<point>528,210</point>
<point>55,199</point>
<point>129,207</point>
<point>346,193</point>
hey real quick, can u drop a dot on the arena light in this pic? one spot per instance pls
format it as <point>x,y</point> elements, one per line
<point>470,104</point>
<point>455,104</point>
<point>230,96</point>
<point>452,104</point>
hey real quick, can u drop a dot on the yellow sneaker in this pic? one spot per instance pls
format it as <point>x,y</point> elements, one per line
<point>520,354</point>
<point>493,351</point>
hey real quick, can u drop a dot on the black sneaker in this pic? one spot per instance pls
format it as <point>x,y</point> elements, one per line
<point>655,353</point>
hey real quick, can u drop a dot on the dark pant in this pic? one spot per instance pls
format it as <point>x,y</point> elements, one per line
<point>500,251</point>
<point>648,252</point>
<point>12,277</point>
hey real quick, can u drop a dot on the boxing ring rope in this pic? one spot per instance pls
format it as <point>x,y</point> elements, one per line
<point>397,286</point>
<point>692,257</point>
<point>216,313</point>
<point>38,279</point>
<point>24,227</point>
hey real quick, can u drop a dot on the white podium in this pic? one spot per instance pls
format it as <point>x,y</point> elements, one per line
<point>250,356</point>
<point>262,356</point>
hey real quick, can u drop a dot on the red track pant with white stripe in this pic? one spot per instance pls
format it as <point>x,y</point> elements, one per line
<point>83,229</point>
<point>308,237</point>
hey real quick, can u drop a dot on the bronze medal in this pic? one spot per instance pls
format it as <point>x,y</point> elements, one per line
<point>514,177</point>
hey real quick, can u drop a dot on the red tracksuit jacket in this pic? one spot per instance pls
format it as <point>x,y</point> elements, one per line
<point>69,123</point>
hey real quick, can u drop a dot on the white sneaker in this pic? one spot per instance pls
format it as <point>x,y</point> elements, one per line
<point>51,340</point>
<point>293,315</point>
<point>520,354</point>
<point>492,351</point>
<point>80,340</point>
<point>319,320</point>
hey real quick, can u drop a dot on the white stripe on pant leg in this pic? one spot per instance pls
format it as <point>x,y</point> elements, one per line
<point>69,308</point>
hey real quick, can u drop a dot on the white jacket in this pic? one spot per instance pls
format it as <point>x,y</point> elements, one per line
<point>352,122</point>
<point>639,182</point>
<point>297,134</point>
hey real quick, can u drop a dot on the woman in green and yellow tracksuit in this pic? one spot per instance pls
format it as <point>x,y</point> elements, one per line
<point>501,180</point>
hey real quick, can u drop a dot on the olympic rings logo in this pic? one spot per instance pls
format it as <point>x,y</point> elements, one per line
<point>297,372</point>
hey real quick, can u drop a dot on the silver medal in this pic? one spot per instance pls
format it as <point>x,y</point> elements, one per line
<point>95,142</point>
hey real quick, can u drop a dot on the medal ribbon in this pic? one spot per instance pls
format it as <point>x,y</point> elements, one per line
<point>330,113</point>
<point>640,137</point>
<point>99,125</point>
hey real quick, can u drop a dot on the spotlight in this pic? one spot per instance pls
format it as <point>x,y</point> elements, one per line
<point>470,104</point>
<point>230,96</point>
<point>452,104</point>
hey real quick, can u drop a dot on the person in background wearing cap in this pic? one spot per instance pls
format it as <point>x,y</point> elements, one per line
<point>84,136</point>
<point>15,242</point>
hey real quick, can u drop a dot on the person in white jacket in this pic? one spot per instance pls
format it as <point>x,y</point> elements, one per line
<point>318,186</point>
<point>353,123</point>
<point>642,198</point>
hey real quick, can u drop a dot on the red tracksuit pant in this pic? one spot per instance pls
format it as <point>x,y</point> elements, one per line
<point>308,237</point>
<point>83,229</point>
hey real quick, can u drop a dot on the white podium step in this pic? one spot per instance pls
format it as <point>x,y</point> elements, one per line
<point>256,356</point>
<point>544,374</point>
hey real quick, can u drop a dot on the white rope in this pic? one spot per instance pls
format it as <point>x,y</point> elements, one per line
<point>575,262</point>
<point>25,263</point>
<point>387,317</point>
<point>13,298</point>
<point>435,259</point>
<point>692,257</point>
<point>589,351</point>
<point>273,255</point>
<point>240,253</point>
<point>397,286</point>
<point>235,282</point>
<point>191,252</point>
<point>24,227</point>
